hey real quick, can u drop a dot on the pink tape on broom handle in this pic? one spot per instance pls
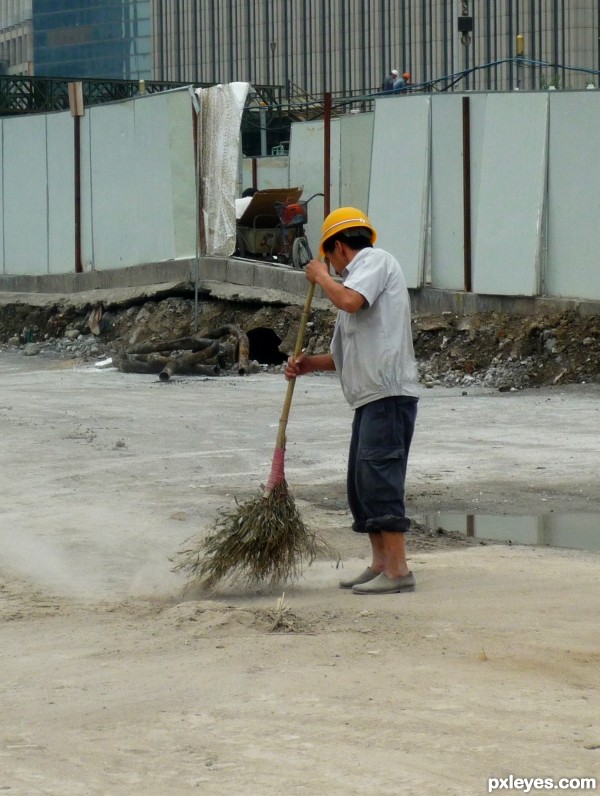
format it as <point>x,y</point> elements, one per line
<point>277,468</point>
<point>277,474</point>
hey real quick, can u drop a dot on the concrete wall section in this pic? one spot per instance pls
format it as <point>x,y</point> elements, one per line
<point>114,203</point>
<point>271,172</point>
<point>61,193</point>
<point>157,197</point>
<point>447,221</point>
<point>509,165</point>
<point>399,187</point>
<point>356,144</point>
<point>142,181</point>
<point>25,197</point>
<point>2,202</point>
<point>177,174</point>
<point>574,197</point>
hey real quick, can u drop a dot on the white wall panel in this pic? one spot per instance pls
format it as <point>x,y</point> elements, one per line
<point>153,177</point>
<point>399,186</point>
<point>167,211</point>
<point>61,193</point>
<point>307,146</point>
<point>178,175</point>
<point>271,172</point>
<point>508,192</point>
<point>356,144</point>
<point>114,202</point>
<point>25,199</point>
<point>574,196</point>
<point>141,181</point>
<point>447,221</point>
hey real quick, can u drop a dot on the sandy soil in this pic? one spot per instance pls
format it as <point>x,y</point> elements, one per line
<point>114,683</point>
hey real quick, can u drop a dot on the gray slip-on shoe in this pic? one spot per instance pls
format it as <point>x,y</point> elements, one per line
<point>384,585</point>
<point>364,577</point>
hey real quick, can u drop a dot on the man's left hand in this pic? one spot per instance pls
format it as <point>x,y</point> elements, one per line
<point>315,270</point>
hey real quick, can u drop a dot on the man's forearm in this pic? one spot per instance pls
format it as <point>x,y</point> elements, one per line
<point>321,362</point>
<point>342,297</point>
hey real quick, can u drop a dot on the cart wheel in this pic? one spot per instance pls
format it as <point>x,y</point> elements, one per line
<point>301,253</point>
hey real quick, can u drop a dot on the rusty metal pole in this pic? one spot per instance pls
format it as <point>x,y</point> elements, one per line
<point>197,137</point>
<point>77,192</point>
<point>327,154</point>
<point>77,110</point>
<point>467,257</point>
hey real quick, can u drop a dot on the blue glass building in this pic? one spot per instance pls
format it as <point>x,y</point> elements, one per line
<point>93,38</point>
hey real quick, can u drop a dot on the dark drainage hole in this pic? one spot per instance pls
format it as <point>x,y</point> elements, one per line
<point>264,347</point>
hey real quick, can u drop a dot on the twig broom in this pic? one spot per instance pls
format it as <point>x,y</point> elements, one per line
<point>264,539</point>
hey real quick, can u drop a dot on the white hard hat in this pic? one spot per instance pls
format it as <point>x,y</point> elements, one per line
<point>394,72</point>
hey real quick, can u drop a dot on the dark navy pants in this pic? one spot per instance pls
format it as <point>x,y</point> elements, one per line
<point>381,435</point>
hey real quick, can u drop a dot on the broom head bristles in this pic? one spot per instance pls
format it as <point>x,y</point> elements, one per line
<point>261,540</point>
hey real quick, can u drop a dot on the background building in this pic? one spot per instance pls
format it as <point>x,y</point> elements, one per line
<point>16,40</point>
<point>348,46</point>
<point>95,38</point>
<point>307,46</point>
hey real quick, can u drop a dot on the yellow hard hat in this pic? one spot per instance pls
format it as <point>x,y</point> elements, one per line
<point>345,218</point>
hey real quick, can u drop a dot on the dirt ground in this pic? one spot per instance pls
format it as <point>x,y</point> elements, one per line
<point>114,682</point>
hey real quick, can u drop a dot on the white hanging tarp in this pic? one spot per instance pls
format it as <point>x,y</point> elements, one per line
<point>221,110</point>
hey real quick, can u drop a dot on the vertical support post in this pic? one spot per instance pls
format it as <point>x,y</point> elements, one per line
<point>77,111</point>
<point>327,153</point>
<point>254,173</point>
<point>77,191</point>
<point>466,130</point>
<point>263,130</point>
<point>197,131</point>
<point>520,54</point>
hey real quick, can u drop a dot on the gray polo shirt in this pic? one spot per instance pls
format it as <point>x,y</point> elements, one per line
<point>372,348</point>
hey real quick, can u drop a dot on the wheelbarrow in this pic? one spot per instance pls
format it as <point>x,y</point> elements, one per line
<point>272,227</point>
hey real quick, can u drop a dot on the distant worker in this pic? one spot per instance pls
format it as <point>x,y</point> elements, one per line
<point>407,81</point>
<point>388,83</point>
<point>399,85</point>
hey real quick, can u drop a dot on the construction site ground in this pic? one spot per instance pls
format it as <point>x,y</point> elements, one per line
<point>117,681</point>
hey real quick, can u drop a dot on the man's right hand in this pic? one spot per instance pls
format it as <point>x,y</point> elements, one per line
<point>297,366</point>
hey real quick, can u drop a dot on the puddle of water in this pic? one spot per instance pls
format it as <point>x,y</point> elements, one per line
<point>575,531</point>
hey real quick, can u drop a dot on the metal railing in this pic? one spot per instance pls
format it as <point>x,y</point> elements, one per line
<point>23,94</point>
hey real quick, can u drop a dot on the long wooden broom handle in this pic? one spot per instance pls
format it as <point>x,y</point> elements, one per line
<point>292,382</point>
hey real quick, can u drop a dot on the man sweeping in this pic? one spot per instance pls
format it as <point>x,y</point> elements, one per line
<point>372,353</point>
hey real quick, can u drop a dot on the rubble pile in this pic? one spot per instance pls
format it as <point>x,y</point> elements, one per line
<point>507,352</point>
<point>486,349</point>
